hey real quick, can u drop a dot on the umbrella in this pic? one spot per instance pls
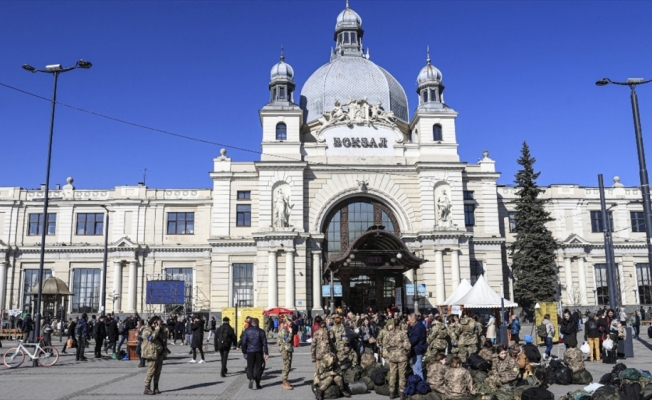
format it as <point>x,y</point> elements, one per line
<point>276,311</point>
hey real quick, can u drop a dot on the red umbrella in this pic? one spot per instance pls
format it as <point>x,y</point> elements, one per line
<point>276,311</point>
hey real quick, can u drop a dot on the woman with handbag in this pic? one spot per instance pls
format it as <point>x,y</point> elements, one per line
<point>71,343</point>
<point>154,351</point>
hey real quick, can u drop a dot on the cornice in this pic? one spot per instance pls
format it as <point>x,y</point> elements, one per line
<point>443,235</point>
<point>226,242</point>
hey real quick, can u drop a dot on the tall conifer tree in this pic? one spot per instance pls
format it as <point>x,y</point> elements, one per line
<point>533,252</point>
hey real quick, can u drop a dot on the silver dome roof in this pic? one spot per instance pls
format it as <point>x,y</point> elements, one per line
<point>348,19</point>
<point>352,77</point>
<point>429,73</point>
<point>281,70</point>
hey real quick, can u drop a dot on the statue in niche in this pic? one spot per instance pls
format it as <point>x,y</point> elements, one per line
<point>281,210</point>
<point>444,217</point>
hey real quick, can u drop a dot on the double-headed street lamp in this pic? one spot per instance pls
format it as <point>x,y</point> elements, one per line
<point>56,70</point>
<point>645,184</point>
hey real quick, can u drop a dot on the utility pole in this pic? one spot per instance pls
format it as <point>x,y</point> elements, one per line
<point>612,279</point>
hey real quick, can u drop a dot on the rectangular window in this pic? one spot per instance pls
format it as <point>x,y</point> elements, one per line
<point>468,195</point>
<point>243,215</point>
<point>353,38</point>
<point>244,195</point>
<point>644,283</point>
<point>596,221</point>
<point>469,214</point>
<point>638,221</point>
<point>181,223</point>
<point>243,284</point>
<point>281,90</point>
<point>86,289</point>
<point>90,224</point>
<point>601,287</point>
<point>29,282</point>
<point>512,221</point>
<point>36,224</point>
<point>476,271</point>
<point>181,274</point>
<point>334,237</point>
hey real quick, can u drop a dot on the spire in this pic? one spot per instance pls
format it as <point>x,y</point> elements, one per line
<point>282,54</point>
<point>428,54</point>
<point>347,4</point>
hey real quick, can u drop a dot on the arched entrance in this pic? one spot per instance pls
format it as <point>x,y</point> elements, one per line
<point>364,251</point>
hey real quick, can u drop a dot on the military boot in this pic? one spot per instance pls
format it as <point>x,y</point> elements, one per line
<point>346,393</point>
<point>156,391</point>
<point>319,394</point>
<point>148,390</point>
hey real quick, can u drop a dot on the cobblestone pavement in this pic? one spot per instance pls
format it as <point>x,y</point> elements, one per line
<point>103,378</point>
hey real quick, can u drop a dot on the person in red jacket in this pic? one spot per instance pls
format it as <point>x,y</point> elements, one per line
<point>315,325</point>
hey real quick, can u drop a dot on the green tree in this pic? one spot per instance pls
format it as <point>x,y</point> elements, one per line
<point>533,252</point>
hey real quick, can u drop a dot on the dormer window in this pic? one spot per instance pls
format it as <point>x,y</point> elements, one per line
<point>281,131</point>
<point>281,93</point>
<point>433,95</point>
<point>436,133</point>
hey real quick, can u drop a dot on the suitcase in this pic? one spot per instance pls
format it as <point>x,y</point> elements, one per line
<point>357,387</point>
<point>296,340</point>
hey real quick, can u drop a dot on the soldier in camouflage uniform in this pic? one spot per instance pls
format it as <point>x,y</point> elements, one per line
<point>437,372</point>
<point>348,359</point>
<point>437,340</point>
<point>479,335</point>
<point>573,357</point>
<point>398,348</point>
<point>321,344</point>
<point>338,337</point>
<point>459,383</point>
<point>380,340</point>
<point>452,334</point>
<point>285,346</point>
<point>154,334</point>
<point>466,338</point>
<point>504,369</point>
<point>487,351</point>
<point>327,375</point>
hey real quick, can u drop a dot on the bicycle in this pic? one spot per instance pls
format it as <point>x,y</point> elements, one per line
<point>46,356</point>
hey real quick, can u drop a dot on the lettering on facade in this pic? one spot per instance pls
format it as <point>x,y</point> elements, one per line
<point>360,142</point>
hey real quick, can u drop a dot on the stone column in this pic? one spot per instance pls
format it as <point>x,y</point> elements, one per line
<point>455,268</point>
<point>3,283</point>
<point>289,279</point>
<point>409,300</point>
<point>316,282</point>
<point>582,278</point>
<point>133,284</point>
<point>439,277</point>
<point>569,280</point>
<point>272,281</point>
<point>117,286</point>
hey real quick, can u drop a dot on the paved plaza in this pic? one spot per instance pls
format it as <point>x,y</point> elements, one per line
<point>103,378</point>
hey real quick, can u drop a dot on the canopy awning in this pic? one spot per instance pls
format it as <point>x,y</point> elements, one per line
<point>462,289</point>
<point>52,286</point>
<point>483,296</point>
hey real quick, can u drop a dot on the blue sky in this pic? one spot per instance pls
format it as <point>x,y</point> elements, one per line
<point>514,71</point>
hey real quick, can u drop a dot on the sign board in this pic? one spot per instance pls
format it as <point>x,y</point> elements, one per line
<point>165,292</point>
<point>399,298</point>
<point>456,310</point>
<point>326,290</point>
<point>409,289</point>
<point>421,289</point>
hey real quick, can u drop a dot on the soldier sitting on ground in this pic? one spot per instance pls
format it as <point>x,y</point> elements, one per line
<point>436,373</point>
<point>573,357</point>
<point>487,351</point>
<point>504,369</point>
<point>459,383</point>
<point>327,374</point>
<point>524,366</point>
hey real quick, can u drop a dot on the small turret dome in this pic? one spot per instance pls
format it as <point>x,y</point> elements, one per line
<point>429,73</point>
<point>282,70</point>
<point>348,19</point>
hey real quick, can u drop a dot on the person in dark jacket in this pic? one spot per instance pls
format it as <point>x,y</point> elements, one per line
<point>211,330</point>
<point>197,339</point>
<point>592,335</point>
<point>112,333</point>
<point>70,332</point>
<point>531,350</point>
<point>99,333</point>
<point>82,335</point>
<point>178,329</point>
<point>27,328</point>
<point>417,335</point>
<point>224,340</point>
<point>254,342</point>
<point>568,327</point>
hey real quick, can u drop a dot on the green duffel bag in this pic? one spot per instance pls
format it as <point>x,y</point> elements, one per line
<point>646,393</point>
<point>382,390</point>
<point>505,393</point>
<point>415,397</point>
<point>483,388</point>
<point>332,392</point>
<point>519,390</point>
<point>368,382</point>
<point>433,396</point>
<point>352,374</point>
<point>478,376</point>
<point>582,377</point>
<point>606,393</point>
<point>368,370</point>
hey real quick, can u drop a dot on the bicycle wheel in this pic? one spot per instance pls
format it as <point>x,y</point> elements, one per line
<point>13,357</point>
<point>47,356</point>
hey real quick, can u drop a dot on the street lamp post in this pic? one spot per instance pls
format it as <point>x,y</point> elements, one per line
<point>104,266</point>
<point>56,70</point>
<point>645,185</point>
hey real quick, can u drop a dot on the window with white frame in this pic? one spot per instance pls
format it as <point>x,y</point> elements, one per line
<point>243,284</point>
<point>86,289</point>
<point>30,279</point>
<point>644,283</point>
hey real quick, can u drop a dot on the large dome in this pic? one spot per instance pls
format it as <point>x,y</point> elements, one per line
<point>352,77</point>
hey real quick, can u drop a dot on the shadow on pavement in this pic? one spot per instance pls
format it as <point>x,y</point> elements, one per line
<point>199,385</point>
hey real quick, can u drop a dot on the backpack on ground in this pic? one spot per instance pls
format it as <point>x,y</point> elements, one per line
<point>332,392</point>
<point>542,331</point>
<point>423,387</point>
<point>564,376</point>
<point>606,393</point>
<point>379,376</point>
<point>582,377</point>
<point>478,363</point>
<point>352,374</point>
<point>631,374</point>
<point>630,391</point>
<point>537,393</point>
<point>223,340</point>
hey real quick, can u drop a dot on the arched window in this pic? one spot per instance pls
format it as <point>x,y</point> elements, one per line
<point>281,131</point>
<point>436,133</point>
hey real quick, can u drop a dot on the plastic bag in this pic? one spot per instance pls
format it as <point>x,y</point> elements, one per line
<point>585,348</point>
<point>608,344</point>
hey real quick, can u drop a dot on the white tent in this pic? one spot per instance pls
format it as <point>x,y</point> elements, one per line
<point>462,289</point>
<point>483,296</point>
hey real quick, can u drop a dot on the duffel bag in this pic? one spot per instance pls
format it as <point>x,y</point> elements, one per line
<point>606,393</point>
<point>630,373</point>
<point>478,363</point>
<point>332,392</point>
<point>368,382</point>
<point>479,377</point>
<point>358,387</point>
<point>537,393</point>
<point>352,374</point>
<point>564,376</point>
<point>630,391</point>
<point>582,377</point>
<point>382,390</point>
<point>646,393</point>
